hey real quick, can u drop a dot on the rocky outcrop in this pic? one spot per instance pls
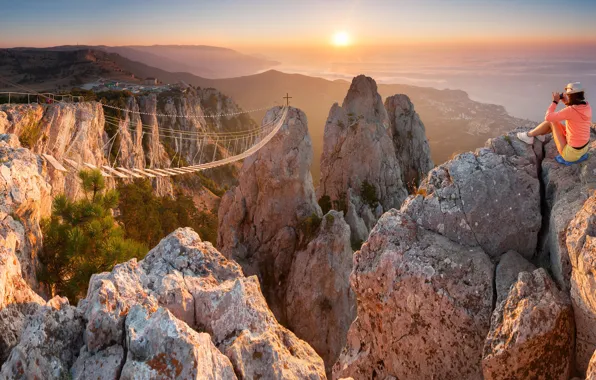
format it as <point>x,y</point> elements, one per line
<point>182,312</point>
<point>409,139</point>
<point>531,332</point>
<point>161,346</point>
<point>63,130</point>
<point>424,305</point>
<point>566,188</point>
<point>48,346</point>
<point>130,136</point>
<point>581,246</point>
<point>360,171</point>
<point>490,198</point>
<point>24,200</point>
<point>260,220</point>
<point>319,282</point>
<point>510,265</point>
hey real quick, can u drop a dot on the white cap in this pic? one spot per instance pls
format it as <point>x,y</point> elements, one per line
<point>573,88</point>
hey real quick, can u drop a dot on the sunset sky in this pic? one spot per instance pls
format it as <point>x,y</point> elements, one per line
<point>238,24</point>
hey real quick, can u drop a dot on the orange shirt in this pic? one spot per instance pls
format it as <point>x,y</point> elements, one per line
<point>578,123</point>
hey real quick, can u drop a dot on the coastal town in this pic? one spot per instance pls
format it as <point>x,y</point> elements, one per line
<point>149,84</point>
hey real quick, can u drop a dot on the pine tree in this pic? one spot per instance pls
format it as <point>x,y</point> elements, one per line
<point>82,238</point>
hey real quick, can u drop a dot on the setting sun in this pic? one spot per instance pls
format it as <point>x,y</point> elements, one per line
<point>341,39</point>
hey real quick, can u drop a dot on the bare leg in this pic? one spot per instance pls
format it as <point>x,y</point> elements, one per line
<point>560,139</point>
<point>543,129</point>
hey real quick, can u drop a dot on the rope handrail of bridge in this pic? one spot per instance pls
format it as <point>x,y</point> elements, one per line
<point>186,116</point>
<point>47,95</point>
<point>116,121</point>
<point>275,125</point>
<point>251,150</point>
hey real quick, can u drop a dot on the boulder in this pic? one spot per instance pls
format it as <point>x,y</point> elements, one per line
<point>510,265</point>
<point>162,347</point>
<point>200,287</point>
<point>581,245</point>
<point>409,139</point>
<point>104,365</point>
<point>424,305</point>
<point>48,346</point>
<point>320,283</point>
<point>360,171</point>
<point>260,219</point>
<point>532,332</point>
<point>490,198</point>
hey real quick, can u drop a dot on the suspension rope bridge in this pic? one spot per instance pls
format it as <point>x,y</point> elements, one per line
<point>212,148</point>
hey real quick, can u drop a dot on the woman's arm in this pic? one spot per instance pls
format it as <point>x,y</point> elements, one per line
<point>552,115</point>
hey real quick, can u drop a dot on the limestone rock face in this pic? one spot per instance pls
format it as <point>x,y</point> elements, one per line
<point>510,265</point>
<point>566,189</point>
<point>424,305</point>
<point>358,147</point>
<point>161,346</point>
<point>259,219</point>
<point>409,139</point>
<point>531,332</point>
<point>581,245</point>
<point>48,346</point>
<point>201,291</point>
<point>320,283</point>
<point>490,198</point>
<point>24,200</point>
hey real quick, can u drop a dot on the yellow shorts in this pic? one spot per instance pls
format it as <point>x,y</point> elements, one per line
<point>570,154</point>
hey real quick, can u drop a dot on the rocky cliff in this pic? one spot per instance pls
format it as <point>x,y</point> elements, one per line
<point>182,312</point>
<point>130,136</point>
<point>273,227</point>
<point>371,152</point>
<point>426,278</point>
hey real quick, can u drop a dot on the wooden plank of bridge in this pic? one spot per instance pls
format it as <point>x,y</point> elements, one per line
<point>143,173</point>
<point>72,163</point>
<point>185,169</point>
<point>177,170</point>
<point>130,173</point>
<point>91,166</point>
<point>115,172</point>
<point>156,173</point>
<point>52,161</point>
<point>165,171</point>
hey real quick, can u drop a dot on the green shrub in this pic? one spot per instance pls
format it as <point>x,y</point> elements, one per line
<point>149,218</point>
<point>357,245</point>
<point>325,203</point>
<point>309,226</point>
<point>369,194</point>
<point>330,219</point>
<point>30,135</point>
<point>82,238</point>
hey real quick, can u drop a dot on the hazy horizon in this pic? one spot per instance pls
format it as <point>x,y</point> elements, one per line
<point>512,53</point>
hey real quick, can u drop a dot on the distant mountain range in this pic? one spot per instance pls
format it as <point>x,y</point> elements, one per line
<point>205,61</point>
<point>454,123</point>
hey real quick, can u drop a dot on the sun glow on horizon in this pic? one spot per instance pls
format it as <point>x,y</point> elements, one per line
<point>341,38</point>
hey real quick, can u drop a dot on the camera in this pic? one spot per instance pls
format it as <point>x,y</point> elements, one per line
<point>561,96</point>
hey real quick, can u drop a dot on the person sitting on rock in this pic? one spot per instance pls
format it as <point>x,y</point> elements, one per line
<point>572,138</point>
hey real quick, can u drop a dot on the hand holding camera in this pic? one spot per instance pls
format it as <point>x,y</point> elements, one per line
<point>557,96</point>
